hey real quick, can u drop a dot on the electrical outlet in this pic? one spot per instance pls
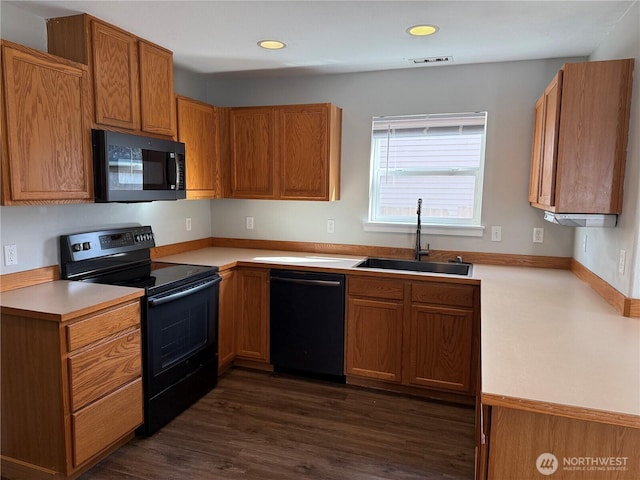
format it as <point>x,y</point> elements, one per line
<point>10,255</point>
<point>622,260</point>
<point>331,226</point>
<point>187,224</point>
<point>496,234</point>
<point>584,244</point>
<point>249,223</point>
<point>538,235</point>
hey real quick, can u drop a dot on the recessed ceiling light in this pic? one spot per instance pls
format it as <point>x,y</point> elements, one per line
<point>271,44</point>
<point>422,30</point>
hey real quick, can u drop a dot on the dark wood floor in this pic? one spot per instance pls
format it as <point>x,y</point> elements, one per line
<point>257,426</point>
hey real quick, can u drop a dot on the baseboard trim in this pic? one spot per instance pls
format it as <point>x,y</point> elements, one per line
<point>26,278</point>
<point>629,307</point>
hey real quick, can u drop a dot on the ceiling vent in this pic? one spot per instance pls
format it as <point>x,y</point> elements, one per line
<point>432,60</point>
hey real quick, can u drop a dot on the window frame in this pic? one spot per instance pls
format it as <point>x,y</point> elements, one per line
<point>444,225</point>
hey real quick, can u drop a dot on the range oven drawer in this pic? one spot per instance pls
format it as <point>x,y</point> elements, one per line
<point>101,369</point>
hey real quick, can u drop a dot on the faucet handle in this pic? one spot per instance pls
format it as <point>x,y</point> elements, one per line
<point>419,206</point>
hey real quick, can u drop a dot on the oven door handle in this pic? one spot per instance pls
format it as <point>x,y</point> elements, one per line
<point>159,300</point>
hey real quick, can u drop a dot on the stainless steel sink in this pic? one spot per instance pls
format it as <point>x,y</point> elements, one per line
<point>417,266</point>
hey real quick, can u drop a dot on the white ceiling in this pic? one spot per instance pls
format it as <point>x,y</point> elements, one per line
<point>219,37</point>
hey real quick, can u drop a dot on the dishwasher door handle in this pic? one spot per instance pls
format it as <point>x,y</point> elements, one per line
<point>301,281</point>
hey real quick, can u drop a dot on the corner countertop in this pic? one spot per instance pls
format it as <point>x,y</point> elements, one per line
<point>547,337</point>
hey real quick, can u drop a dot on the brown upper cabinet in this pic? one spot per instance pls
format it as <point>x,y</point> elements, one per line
<point>288,152</point>
<point>581,126</point>
<point>132,78</point>
<point>46,148</point>
<point>202,128</point>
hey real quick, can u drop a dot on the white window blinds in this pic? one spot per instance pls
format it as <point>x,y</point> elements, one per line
<point>439,158</point>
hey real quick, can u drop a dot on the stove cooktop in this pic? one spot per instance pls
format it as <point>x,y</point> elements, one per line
<point>155,276</point>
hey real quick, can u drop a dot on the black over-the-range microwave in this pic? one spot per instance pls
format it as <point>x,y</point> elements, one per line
<point>132,168</point>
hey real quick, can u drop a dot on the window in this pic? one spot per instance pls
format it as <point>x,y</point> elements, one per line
<point>439,158</point>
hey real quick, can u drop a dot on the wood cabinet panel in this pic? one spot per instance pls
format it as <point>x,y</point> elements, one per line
<point>157,102</point>
<point>374,339</point>
<point>548,165</point>
<point>375,287</point>
<point>198,129</point>
<point>44,383</point>
<point>414,333</point>
<point>440,346</point>
<point>226,321</point>
<point>47,95</point>
<point>536,150</point>
<point>103,368</point>
<point>518,438</point>
<point>132,79</point>
<point>115,77</point>
<point>94,328</point>
<point>252,172</point>
<point>443,294</point>
<point>252,308</point>
<point>306,158</point>
<point>105,421</point>
<point>287,152</point>
<point>580,138</point>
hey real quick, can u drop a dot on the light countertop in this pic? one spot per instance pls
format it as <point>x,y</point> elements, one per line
<point>548,337</point>
<point>64,300</point>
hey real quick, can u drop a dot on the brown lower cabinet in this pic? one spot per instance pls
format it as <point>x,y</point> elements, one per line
<point>226,321</point>
<point>71,390</point>
<point>252,314</point>
<point>414,333</point>
<point>530,445</point>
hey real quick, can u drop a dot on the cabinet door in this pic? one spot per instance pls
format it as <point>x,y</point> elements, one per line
<point>226,321</point>
<point>374,339</point>
<point>536,150</point>
<point>197,128</point>
<point>115,77</point>
<point>252,168</point>
<point>252,307</point>
<point>304,152</point>
<point>440,347</point>
<point>594,126</point>
<point>552,96</point>
<point>156,90</point>
<point>47,151</point>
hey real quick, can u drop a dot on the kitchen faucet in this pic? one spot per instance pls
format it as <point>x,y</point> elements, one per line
<point>419,251</point>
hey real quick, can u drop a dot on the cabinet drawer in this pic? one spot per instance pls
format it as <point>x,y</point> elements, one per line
<point>104,422</point>
<point>442,294</point>
<point>97,371</point>
<point>99,326</point>
<point>377,288</point>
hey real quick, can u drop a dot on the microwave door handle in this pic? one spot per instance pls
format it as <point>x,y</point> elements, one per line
<point>172,171</point>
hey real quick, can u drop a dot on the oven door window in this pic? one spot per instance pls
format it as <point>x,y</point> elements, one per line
<point>182,336</point>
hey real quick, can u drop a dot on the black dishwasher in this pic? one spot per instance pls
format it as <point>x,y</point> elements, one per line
<point>307,323</point>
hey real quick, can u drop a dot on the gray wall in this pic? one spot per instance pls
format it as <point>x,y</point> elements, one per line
<point>507,91</point>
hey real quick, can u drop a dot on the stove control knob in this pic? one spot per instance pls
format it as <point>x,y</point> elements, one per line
<point>86,246</point>
<point>137,238</point>
<point>76,247</point>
